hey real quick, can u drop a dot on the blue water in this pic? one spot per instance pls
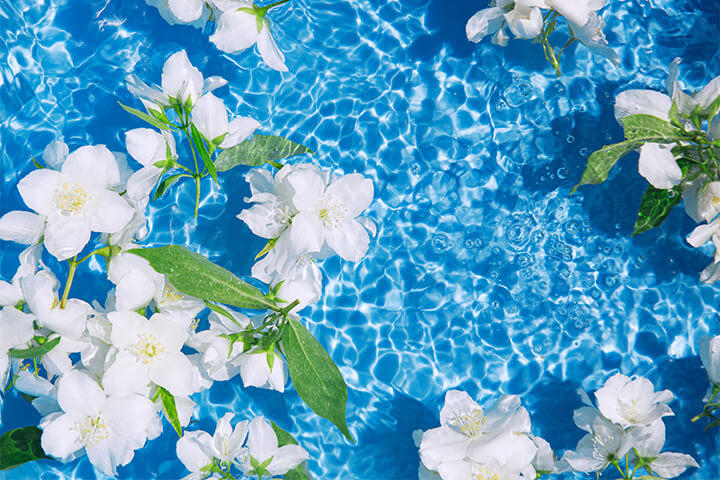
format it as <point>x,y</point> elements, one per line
<point>485,274</point>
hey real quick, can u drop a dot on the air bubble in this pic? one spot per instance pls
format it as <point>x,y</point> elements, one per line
<point>415,168</point>
<point>570,139</point>
<point>440,243</point>
<point>584,152</point>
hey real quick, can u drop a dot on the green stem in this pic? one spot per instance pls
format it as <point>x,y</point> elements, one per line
<point>627,466</point>
<point>550,53</point>
<point>71,274</point>
<point>273,5</point>
<point>197,195</point>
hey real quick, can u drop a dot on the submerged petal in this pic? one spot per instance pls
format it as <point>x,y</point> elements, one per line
<point>270,53</point>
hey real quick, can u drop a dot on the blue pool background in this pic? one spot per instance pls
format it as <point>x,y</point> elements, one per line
<point>485,274</point>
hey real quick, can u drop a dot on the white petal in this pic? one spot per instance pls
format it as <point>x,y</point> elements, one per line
<point>702,233</point>
<point>210,116</point>
<point>354,191</point>
<point>92,165</point>
<point>79,394</point>
<point>239,130</point>
<point>145,145</point>
<point>710,356</point>
<point>708,94</point>
<point>671,464</point>
<point>55,154</point>
<point>648,102</point>
<point>59,438</point>
<point>213,83</point>
<point>483,23</point>
<point>194,450</point>
<point>271,55</point>
<point>174,372</point>
<point>22,227</point>
<point>180,79</point>
<point>456,403</point>
<point>187,11</point>
<point>126,375</point>
<point>576,11</point>
<point>307,233</point>
<point>38,189</point>
<point>111,214</point>
<point>142,182</point>
<point>235,31</point>
<point>66,236</point>
<point>441,445</point>
<point>262,220</point>
<point>657,164</point>
<point>349,240</point>
<point>141,90</point>
<point>262,440</point>
<point>287,458</point>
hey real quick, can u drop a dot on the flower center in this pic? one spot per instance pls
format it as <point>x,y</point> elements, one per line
<point>172,294</point>
<point>330,211</point>
<point>146,348</point>
<point>483,472</point>
<point>470,422</point>
<point>71,199</point>
<point>630,410</point>
<point>92,430</point>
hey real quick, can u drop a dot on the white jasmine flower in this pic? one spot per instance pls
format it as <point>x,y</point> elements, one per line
<point>665,464</point>
<point>497,439</point>
<point>16,330</point>
<point>272,197</point>
<point>180,80</point>
<point>11,292</point>
<point>262,369</point>
<point>148,147</point>
<point>326,213</point>
<point>701,198</point>
<point>632,402</point>
<point>210,117</point>
<point>197,449</point>
<point>220,359</point>
<point>108,428</point>
<point>149,351</point>
<point>710,356</point>
<point>262,444</point>
<point>605,443</point>
<point>525,19</point>
<point>591,35</point>
<point>576,11</point>
<point>241,26</point>
<point>77,200</point>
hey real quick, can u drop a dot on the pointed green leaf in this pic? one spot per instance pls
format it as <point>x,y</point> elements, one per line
<point>649,129</point>
<point>34,352</point>
<point>268,246</point>
<point>19,446</point>
<point>198,277</point>
<point>168,402</point>
<point>601,162</point>
<point>167,183</point>
<point>655,206</point>
<point>144,116</point>
<point>199,142</point>
<point>257,150</point>
<point>315,376</point>
<point>301,472</point>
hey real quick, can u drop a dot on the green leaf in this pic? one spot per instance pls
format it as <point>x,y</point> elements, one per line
<point>144,116</point>
<point>19,446</point>
<point>257,150</point>
<point>301,472</point>
<point>167,183</point>
<point>168,402</point>
<point>197,276</point>
<point>34,352</point>
<point>601,162</point>
<point>316,378</point>
<point>199,142</point>
<point>649,129</point>
<point>655,206</point>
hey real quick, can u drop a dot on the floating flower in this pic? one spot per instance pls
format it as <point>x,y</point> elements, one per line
<point>263,448</point>
<point>241,25</point>
<point>710,356</point>
<point>196,450</point>
<point>16,330</point>
<point>77,200</point>
<point>180,81</point>
<point>148,147</point>
<point>632,402</point>
<point>109,428</point>
<point>210,118</point>
<point>605,443</point>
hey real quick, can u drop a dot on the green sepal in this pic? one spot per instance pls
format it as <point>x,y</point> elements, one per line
<point>144,116</point>
<point>37,165</point>
<point>673,116</point>
<point>168,402</point>
<point>20,446</point>
<point>268,246</point>
<point>655,206</point>
<point>36,351</point>
<point>316,378</point>
<point>259,468</point>
<point>195,275</point>
<point>199,141</point>
<point>159,115</point>
<point>258,150</point>
<point>301,472</point>
<point>167,183</point>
